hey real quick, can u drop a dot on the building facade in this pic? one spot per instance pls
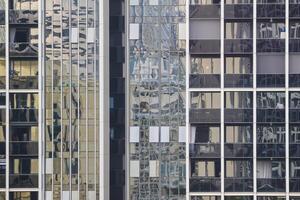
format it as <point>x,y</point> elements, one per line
<point>52,90</point>
<point>150,99</point>
<point>71,62</point>
<point>117,74</point>
<point>213,96</point>
<point>21,100</point>
<point>156,54</point>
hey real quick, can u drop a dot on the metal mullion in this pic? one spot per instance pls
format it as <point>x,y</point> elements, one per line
<point>287,175</point>
<point>41,142</point>
<point>254,100</point>
<point>187,96</point>
<point>7,99</point>
<point>222,35</point>
<point>127,99</point>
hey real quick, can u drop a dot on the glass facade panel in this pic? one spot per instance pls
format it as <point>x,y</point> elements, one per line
<point>157,96</point>
<point>72,99</point>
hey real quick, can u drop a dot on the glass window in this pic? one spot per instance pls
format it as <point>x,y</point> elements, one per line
<point>204,2</point>
<point>238,100</point>
<point>238,134</point>
<point>270,1</point>
<point>205,134</point>
<point>238,1</point>
<point>294,134</point>
<point>205,100</point>
<point>294,60</point>
<point>238,65</point>
<point>21,100</point>
<point>2,99</point>
<point>294,198</point>
<point>23,195</point>
<point>34,36</point>
<point>2,34</point>
<point>19,35</point>
<point>238,198</point>
<point>2,4</point>
<point>205,168</point>
<point>205,198</point>
<point>294,30</point>
<point>2,68</point>
<point>270,169</point>
<point>238,30</point>
<point>294,100</point>
<point>268,30</point>
<point>205,29</point>
<point>270,100</point>
<point>270,134</point>
<point>205,65</point>
<point>295,168</point>
<point>24,133</point>
<point>24,166</point>
<point>25,5</point>
<point>270,64</point>
<point>2,133</point>
<point>270,198</point>
<point>238,168</point>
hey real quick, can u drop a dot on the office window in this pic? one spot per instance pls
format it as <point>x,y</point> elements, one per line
<point>294,30</point>
<point>241,100</point>
<point>24,68</point>
<point>205,65</point>
<point>238,168</point>
<point>270,169</point>
<point>238,65</point>
<point>271,100</point>
<point>205,134</point>
<point>205,29</point>
<point>270,134</point>
<point>25,4</point>
<point>270,64</point>
<point>23,195</point>
<point>205,168</point>
<point>238,30</point>
<point>238,134</point>
<point>205,198</point>
<point>268,30</point>
<point>238,1</point>
<point>205,100</point>
<point>294,64</point>
<point>204,2</point>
